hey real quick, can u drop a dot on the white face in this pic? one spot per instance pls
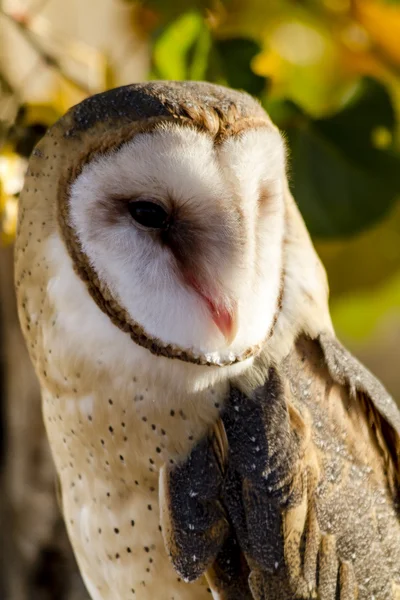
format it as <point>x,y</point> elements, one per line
<point>206,275</point>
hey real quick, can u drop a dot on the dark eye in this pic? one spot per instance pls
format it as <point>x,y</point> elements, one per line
<point>149,214</point>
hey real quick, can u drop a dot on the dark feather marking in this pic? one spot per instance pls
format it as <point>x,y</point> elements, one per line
<point>199,528</point>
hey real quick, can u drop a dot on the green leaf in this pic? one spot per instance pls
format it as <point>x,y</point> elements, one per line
<point>171,52</point>
<point>200,51</point>
<point>342,180</point>
<point>235,56</point>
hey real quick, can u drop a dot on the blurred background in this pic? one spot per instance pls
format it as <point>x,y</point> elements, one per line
<point>327,71</point>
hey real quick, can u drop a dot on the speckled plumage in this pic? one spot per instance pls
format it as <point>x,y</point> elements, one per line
<point>120,403</point>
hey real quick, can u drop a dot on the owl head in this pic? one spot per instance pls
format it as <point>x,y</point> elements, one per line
<point>172,204</point>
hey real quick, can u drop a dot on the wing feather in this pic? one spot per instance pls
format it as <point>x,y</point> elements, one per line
<point>306,482</point>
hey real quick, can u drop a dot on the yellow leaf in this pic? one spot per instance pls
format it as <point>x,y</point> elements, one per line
<point>363,62</point>
<point>269,64</point>
<point>44,113</point>
<point>8,219</point>
<point>12,170</point>
<point>382,22</point>
<point>65,94</point>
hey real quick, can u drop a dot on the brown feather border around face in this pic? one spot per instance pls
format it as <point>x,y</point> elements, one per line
<point>220,128</point>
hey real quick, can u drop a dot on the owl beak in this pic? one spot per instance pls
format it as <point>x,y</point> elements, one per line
<point>224,318</point>
<point>226,321</point>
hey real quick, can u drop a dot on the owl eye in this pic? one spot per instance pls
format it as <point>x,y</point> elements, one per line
<point>148,214</point>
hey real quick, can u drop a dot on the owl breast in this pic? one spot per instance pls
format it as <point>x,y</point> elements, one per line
<point>108,448</point>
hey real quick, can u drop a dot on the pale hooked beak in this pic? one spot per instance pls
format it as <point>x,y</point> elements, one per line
<point>226,319</point>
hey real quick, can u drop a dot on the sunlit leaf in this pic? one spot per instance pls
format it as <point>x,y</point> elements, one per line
<point>300,58</point>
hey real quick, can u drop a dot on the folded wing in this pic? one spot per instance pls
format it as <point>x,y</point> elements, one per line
<point>305,483</point>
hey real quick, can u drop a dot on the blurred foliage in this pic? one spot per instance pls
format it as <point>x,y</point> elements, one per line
<point>327,71</point>
<point>348,160</point>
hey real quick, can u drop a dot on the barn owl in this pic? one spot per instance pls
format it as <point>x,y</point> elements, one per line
<point>211,436</point>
